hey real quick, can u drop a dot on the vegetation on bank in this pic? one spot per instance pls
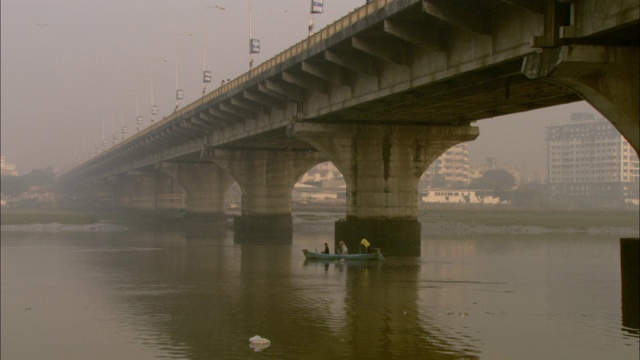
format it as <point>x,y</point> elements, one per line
<point>44,216</point>
<point>547,218</point>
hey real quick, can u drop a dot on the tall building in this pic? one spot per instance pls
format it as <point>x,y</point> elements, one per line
<point>588,159</point>
<point>7,169</point>
<point>450,170</point>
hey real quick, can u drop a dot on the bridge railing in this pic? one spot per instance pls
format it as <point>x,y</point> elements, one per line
<point>343,23</point>
<point>328,31</point>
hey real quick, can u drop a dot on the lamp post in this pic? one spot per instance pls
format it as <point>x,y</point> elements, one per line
<point>179,92</point>
<point>123,127</point>
<point>316,8</point>
<point>206,75</point>
<point>254,44</point>
<point>154,107</point>
<point>138,117</point>
<point>114,138</point>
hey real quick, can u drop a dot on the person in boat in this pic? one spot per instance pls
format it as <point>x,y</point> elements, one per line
<point>342,249</point>
<point>326,249</point>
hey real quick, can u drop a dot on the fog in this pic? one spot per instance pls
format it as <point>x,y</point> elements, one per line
<point>72,70</point>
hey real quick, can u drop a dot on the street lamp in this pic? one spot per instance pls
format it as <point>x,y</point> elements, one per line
<point>123,127</point>
<point>179,92</point>
<point>206,75</point>
<point>114,138</point>
<point>316,8</point>
<point>154,107</point>
<point>138,117</point>
<point>254,44</point>
<point>104,141</point>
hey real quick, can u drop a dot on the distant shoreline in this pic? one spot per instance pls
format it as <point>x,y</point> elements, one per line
<point>314,218</point>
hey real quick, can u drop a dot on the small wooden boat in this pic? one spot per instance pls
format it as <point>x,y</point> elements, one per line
<point>320,256</point>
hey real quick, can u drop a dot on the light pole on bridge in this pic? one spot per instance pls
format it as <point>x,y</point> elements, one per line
<point>206,75</point>
<point>154,107</point>
<point>179,92</point>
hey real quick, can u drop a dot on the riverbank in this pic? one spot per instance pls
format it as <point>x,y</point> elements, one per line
<point>314,218</point>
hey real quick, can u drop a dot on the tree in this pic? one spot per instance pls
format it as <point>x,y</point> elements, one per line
<point>497,180</point>
<point>13,185</point>
<point>16,185</point>
<point>40,177</point>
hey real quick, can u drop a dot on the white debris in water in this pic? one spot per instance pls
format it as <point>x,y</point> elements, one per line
<point>258,343</point>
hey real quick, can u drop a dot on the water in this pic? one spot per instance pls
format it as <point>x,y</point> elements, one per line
<point>144,295</point>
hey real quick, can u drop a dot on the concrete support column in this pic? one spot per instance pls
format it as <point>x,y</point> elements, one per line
<point>629,271</point>
<point>205,185</point>
<point>143,190</point>
<point>382,165</point>
<point>169,194</point>
<point>266,179</point>
<point>124,190</point>
<point>102,193</point>
<point>604,76</point>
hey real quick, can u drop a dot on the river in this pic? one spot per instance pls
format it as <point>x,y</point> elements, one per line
<point>128,294</point>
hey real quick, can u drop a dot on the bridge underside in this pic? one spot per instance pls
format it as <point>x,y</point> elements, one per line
<point>381,93</point>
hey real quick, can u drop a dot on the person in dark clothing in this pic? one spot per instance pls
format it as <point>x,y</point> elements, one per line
<point>326,249</point>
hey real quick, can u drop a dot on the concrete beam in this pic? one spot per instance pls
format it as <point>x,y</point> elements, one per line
<point>251,106</point>
<point>429,36</point>
<point>383,48</point>
<point>361,63</point>
<point>326,72</point>
<point>291,92</point>
<point>535,6</point>
<point>228,117</point>
<point>306,81</point>
<point>468,15</point>
<point>263,99</point>
<point>605,76</point>
<point>216,122</point>
<point>241,112</point>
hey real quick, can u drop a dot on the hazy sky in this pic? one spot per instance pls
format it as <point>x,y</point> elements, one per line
<point>71,68</point>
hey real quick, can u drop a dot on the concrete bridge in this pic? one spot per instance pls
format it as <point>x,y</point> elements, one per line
<point>381,93</point>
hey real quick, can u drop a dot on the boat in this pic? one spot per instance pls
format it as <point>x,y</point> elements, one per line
<point>321,256</point>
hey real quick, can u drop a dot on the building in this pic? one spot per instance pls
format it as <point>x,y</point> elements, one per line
<point>7,169</point>
<point>323,184</point>
<point>450,170</point>
<point>588,160</point>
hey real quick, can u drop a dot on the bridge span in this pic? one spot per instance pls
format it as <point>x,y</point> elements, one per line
<point>381,93</point>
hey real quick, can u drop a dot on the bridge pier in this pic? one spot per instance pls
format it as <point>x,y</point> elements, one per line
<point>382,165</point>
<point>266,179</point>
<point>205,185</point>
<point>143,189</point>
<point>629,270</point>
<point>101,193</point>
<point>604,76</point>
<point>169,194</point>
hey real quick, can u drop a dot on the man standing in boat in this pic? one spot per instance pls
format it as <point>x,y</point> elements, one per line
<point>342,249</point>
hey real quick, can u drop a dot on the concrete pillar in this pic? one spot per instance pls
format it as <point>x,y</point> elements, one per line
<point>205,185</point>
<point>266,179</point>
<point>124,190</point>
<point>629,269</point>
<point>169,194</point>
<point>382,165</point>
<point>101,193</point>
<point>604,76</point>
<point>143,189</point>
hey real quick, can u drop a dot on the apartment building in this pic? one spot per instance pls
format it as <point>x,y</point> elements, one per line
<point>587,158</point>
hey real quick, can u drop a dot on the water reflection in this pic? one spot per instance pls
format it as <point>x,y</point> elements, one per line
<point>203,297</point>
<point>200,296</point>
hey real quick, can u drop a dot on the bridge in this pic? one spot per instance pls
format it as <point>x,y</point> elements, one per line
<point>381,93</point>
